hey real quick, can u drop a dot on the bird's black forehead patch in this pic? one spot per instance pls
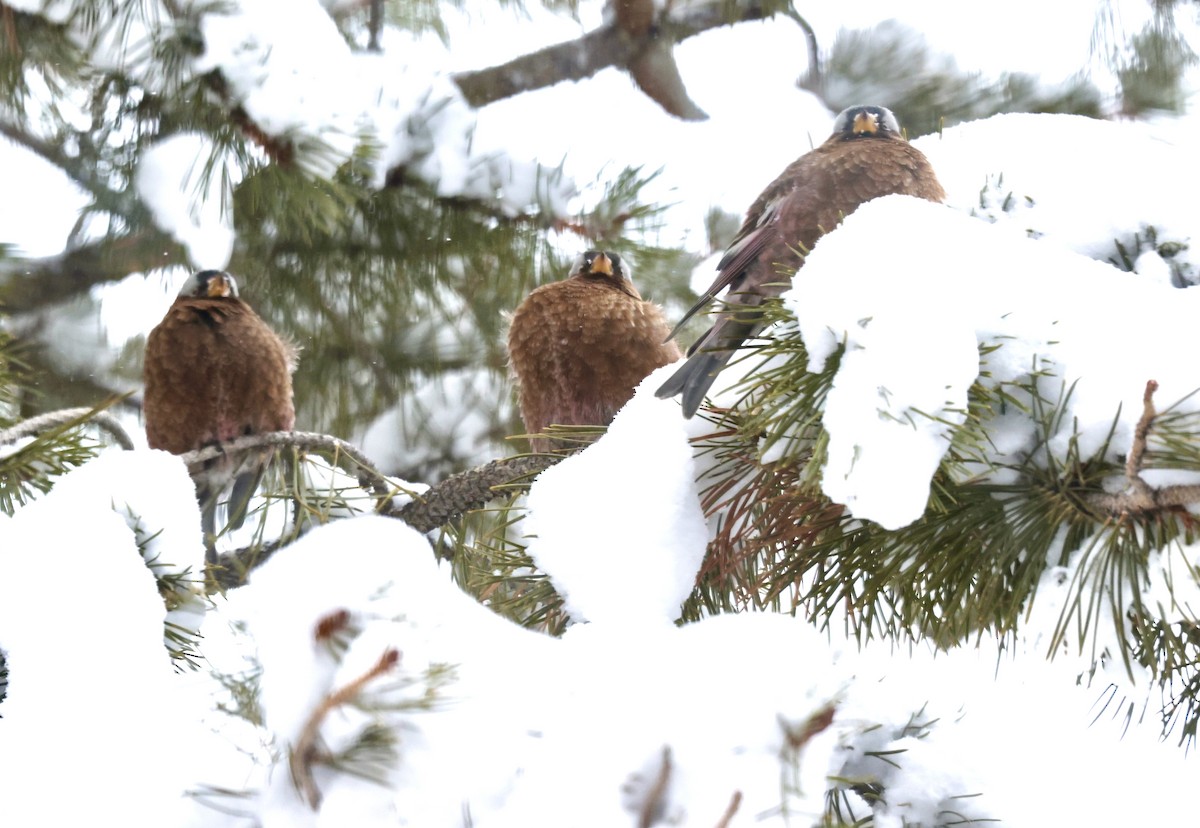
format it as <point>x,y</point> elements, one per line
<point>885,120</point>
<point>588,257</point>
<point>198,284</point>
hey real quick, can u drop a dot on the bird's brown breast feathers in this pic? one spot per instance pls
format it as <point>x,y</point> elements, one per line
<point>579,347</point>
<point>214,371</point>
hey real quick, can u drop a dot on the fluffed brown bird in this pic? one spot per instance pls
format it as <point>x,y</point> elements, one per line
<point>214,371</point>
<point>579,347</point>
<point>866,157</point>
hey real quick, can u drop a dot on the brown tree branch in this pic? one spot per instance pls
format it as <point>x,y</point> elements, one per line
<point>1139,497</point>
<point>653,808</point>
<point>472,489</point>
<point>1137,451</point>
<point>735,802</point>
<point>602,48</point>
<point>31,284</point>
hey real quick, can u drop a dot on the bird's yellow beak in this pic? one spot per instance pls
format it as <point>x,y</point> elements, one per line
<point>602,264</point>
<point>864,123</point>
<point>218,287</point>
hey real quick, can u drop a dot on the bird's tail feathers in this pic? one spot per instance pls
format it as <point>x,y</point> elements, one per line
<point>692,311</point>
<point>694,378</point>
<point>708,356</point>
<point>244,486</point>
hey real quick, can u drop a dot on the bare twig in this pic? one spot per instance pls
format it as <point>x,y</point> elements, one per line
<point>68,417</point>
<point>797,737</point>
<point>1139,497</point>
<point>426,511</point>
<point>1137,451</point>
<point>652,806</point>
<point>306,752</point>
<point>813,79</point>
<point>735,802</point>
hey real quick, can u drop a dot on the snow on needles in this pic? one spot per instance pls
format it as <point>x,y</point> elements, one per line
<point>93,703</point>
<point>618,527</point>
<point>302,84</point>
<point>518,728</point>
<point>184,201</point>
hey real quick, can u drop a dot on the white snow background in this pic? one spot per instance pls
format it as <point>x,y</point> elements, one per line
<point>532,731</point>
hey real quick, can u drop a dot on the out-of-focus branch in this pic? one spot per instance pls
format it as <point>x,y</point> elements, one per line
<point>38,146</point>
<point>602,48</point>
<point>307,751</point>
<point>31,284</point>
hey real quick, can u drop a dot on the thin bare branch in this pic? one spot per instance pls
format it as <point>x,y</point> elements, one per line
<point>735,802</point>
<point>653,805</point>
<point>1140,497</point>
<point>346,456</point>
<point>306,752</point>
<point>1137,451</point>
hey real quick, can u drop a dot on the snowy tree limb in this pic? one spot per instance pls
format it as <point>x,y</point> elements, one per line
<point>31,284</point>
<point>628,43</point>
<point>68,417</point>
<point>606,47</point>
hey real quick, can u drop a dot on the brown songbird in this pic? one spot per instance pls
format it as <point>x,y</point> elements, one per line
<point>866,157</point>
<point>215,371</point>
<point>579,347</point>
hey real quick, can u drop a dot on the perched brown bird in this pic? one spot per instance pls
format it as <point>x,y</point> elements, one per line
<point>865,157</point>
<point>579,347</point>
<point>215,371</point>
